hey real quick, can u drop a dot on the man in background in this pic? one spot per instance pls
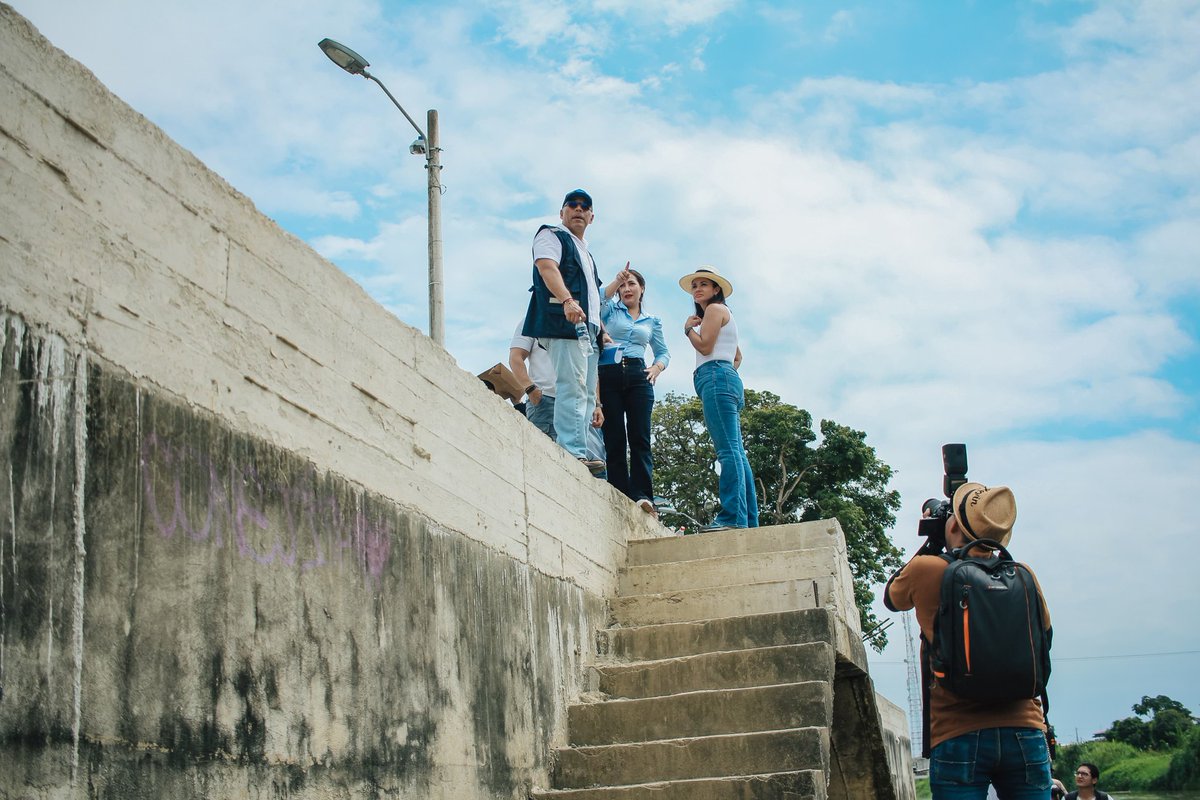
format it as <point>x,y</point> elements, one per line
<point>1087,775</point>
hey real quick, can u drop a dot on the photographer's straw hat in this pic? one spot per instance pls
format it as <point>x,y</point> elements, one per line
<point>985,513</point>
<point>709,273</point>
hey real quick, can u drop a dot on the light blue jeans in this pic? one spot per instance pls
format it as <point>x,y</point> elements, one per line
<point>542,415</point>
<point>574,393</point>
<point>722,396</point>
<point>1014,760</point>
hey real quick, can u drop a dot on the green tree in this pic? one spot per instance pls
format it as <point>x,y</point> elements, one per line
<point>798,479</point>
<point>1168,726</point>
<point>1132,731</point>
<point>1151,706</point>
<point>1184,772</point>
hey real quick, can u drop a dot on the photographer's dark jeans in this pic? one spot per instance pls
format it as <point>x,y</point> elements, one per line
<point>1014,760</point>
<point>628,398</point>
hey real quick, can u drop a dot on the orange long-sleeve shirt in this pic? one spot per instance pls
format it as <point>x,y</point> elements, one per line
<point>918,585</point>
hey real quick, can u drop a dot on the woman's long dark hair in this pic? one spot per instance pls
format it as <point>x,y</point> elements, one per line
<point>642,283</point>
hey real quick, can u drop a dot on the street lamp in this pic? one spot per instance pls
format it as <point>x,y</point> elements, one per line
<point>355,64</point>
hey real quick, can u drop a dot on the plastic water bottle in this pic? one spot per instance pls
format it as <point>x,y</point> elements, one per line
<point>585,338</point>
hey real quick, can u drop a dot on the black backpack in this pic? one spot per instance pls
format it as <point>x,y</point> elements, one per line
<point>990,641</point>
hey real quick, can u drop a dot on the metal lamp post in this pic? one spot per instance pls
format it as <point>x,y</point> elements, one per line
<point>355,64</point>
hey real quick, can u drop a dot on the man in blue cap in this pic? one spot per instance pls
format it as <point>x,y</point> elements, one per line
<point>566,292</point>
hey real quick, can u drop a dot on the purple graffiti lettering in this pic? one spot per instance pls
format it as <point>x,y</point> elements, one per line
<point>170,461</point>
<point>273,523</point>
<point>376,549</point>
<point>243,509</point>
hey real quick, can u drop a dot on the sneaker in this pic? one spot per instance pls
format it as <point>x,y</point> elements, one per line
<point>594,465</point>
<point>648,507</point>
<point>714,528</point>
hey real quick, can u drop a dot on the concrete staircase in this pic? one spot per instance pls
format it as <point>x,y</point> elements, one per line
<point>731,658</point>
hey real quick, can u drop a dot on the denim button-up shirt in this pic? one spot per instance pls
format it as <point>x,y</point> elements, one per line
<point>635,335</point>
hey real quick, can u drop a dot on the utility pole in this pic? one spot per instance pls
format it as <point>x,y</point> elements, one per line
<point>915,728</point>
<point>433,163</point>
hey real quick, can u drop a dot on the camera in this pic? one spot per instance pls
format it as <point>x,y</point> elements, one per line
<point>935,512</point>
<point>417,148</point>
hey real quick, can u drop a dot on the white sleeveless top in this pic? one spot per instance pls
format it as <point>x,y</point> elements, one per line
<point>726,347</point>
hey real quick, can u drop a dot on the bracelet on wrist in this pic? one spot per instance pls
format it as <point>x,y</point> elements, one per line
<point>531,388</point>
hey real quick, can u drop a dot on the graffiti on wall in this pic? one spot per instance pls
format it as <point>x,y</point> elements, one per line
<point>294,524</point>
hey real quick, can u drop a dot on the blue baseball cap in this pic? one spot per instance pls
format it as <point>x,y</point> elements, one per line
<point>577,194</point>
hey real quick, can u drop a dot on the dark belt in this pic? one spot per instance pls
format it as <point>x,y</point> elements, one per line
<point>626,362</point>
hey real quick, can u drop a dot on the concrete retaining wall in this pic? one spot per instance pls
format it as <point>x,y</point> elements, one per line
<point>259,538</point>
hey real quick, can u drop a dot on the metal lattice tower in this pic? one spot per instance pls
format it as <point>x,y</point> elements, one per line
<point>915,727</point>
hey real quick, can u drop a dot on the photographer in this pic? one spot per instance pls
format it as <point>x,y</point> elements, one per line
<point>973,743</point>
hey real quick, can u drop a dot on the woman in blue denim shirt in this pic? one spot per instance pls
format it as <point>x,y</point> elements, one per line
<point>713,334</point>
<point>627,385</point>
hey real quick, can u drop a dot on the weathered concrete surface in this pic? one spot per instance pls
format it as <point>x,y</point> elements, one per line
<point>717,653</point>
<point>762,666</point>
<point>865,757</point>
<point>682,759</point>
<point>673,640</point>
<point>186,608</point>
<point>702,713</point>
<point>798,785</point>
<point>719,601</point>
<point>258,538</point>
<point>897,744</point>
<point>731,574</point>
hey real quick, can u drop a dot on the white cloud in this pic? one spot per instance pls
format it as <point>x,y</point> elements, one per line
<point>674,14</point>
<point>842,22</point>
<point>533,23</point>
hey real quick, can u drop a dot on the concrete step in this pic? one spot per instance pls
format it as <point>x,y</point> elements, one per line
<point>760,666</point>
<point>706,713</point>
<point>799,785</point>
<point>723,601</point>
<point>797,536</point>
<point>674,640</point>
<point>684,759</point>
<point>728,571</point>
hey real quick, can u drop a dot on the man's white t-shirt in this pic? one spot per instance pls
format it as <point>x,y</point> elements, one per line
<point>541,370</point>
<point>547,245</point>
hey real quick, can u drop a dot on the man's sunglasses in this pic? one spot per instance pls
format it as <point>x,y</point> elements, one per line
<point>586,206</point>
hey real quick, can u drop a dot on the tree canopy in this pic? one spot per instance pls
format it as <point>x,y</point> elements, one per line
<point>1168,724</point>
<point>797,477</point>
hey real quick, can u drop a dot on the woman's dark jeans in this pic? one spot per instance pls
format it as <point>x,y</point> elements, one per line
<point>628,398</point>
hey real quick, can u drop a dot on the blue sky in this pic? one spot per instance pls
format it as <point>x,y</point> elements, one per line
<point>945,221</point>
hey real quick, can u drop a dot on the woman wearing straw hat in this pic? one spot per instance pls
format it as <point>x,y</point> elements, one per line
<point>714,336</point>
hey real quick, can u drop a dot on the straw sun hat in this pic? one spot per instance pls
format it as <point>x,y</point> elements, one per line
<point>985,513</point>
<point>709,273</point>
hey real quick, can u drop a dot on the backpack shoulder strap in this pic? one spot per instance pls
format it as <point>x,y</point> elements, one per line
<point>926,684</point>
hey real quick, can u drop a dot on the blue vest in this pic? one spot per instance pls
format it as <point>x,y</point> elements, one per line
<point>545,318</point>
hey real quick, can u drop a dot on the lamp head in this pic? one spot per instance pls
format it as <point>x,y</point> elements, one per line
<point>344,57</point>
